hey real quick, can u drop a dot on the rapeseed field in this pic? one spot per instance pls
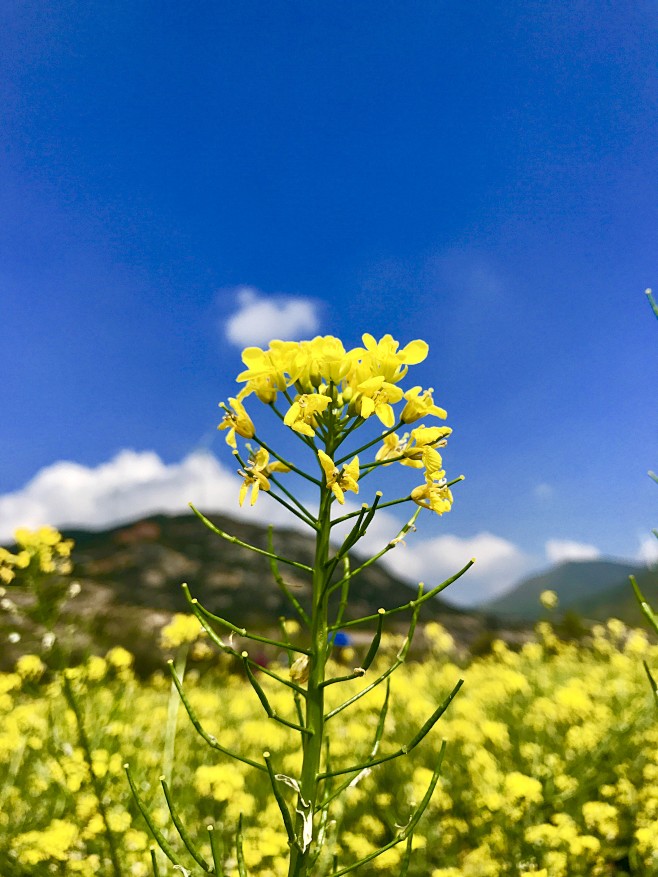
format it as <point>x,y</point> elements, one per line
<point>551,765</point>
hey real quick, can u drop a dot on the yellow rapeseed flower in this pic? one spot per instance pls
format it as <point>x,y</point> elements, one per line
<point>322,360</point>
<point>266,369</point>
<point>236,421</point>
<point>392,448</point>
<point>421,450</point>
<point>420,404</point>
<point>383,357</point>
<point>548,599</point>
<point>434,494</point>
<point>340,480</point>
<point>30,667</point>
<point>302,414</point>
<point>183,628</point>
<point>256,473</point>
<point>377,396</point>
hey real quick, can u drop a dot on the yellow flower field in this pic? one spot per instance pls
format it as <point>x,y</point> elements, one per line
<point>551,766</point>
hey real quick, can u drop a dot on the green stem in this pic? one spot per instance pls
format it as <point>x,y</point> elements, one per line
<point>301,852</point>
<point>287,463</point>
<point>652,302</point>
<point>204,616</point>
<point>365,447</point>
<point>428,596</point>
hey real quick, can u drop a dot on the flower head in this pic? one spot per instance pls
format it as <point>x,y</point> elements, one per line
<point>322,360</point>
<point>383,357</point>
<point>302,414</point>
<point>256,473</point>
<point>44,550</point>
<point>392,448</point>
<point>376,396</point>
<point>548,599</point>
<point>340,480</point>
<point>421,449</point>
<point>420,404</point>
<point>434,494</point>
<point>236,421</point>
<point>266,369</point>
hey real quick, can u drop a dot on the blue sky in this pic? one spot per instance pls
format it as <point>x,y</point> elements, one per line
<point>483,176</point>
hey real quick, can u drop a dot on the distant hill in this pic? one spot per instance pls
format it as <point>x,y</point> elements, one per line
<point>595,589</point>
<point>145,563</point>
<point>131,584</point>
<point>619,601</point>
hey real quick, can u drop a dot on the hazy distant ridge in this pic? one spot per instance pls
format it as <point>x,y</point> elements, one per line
<point>596,589</point>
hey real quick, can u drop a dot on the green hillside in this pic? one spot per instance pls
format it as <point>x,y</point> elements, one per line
<point>594,588</point>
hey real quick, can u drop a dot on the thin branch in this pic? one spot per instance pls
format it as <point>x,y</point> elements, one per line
<point>403,750</point>
<point>345,590</point>
<point>262,697</point>
<point>201,612</point>
<point>182,831</point>
<point>407,831</point>
<point>399,660</point>
<point>296,696</point>
<point>162,841</point>
<point>647,611</point>
<point>379,732</point>
<point>287,463</point>
<point>365,447</point>
<point>239,854</point>
<point>274,567</point>
<point>408,526</point>
<point>411,603</point>
<point>236,541</point>
<point>280,800</point>
<point>310,520</point>
<point>216,850</point>
<point>210,739</point>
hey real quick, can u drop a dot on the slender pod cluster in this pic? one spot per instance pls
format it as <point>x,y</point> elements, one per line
<point>322,393</point>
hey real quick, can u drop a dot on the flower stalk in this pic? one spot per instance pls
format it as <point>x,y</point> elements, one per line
<point>327,393</point>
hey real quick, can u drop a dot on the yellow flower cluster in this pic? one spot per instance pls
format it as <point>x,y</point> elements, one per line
<point>183,628</point>
<point>551,768</point>
<point>326,387</point>
<point>43,550</point>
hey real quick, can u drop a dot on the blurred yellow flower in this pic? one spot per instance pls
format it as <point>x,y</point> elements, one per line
<point>548,599</point>
<point>183,628</point>
<point>30,667</point>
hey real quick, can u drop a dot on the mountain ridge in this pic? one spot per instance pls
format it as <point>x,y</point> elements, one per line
<point>596,589</point>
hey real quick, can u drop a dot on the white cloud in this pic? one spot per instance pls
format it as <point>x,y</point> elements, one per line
<point>544,491</point>
<point>499,563</point>
<point>259,319</point>
<point>561,550</point>
<point>648,552</point>
<point>131,485</point>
